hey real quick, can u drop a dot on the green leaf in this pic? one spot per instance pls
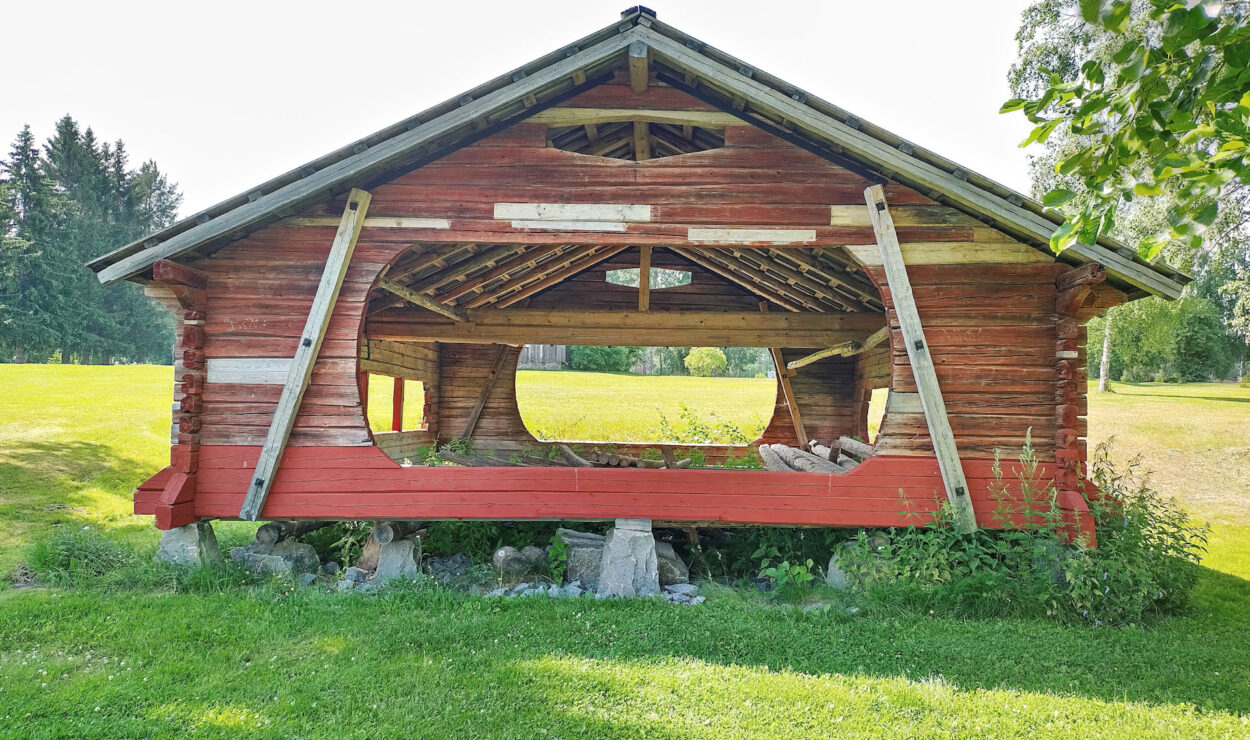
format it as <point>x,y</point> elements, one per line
<point>1115,18</point>
<point>1013,104</point>
<point>1147,189</point>
<point>1207,215</point>
<point>1057,197</point>
<point>1090,10</point>
<point>1062,237</point>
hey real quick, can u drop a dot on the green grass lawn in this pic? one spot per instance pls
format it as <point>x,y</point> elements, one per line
<point>281,662</point>
<point>614,407</point>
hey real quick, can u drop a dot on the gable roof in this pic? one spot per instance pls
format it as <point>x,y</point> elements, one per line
<point>681,61</point>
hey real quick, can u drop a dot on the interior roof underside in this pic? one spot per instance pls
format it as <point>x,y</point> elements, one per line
<point>677,60</point>
<point>501,275</point>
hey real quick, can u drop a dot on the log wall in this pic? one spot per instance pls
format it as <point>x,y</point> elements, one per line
<point>991,329</point>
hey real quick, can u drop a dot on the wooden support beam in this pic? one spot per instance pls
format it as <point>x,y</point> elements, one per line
<point>626,328</point>
<point>707,264</point>
<point>461,270</point>
<point>397,406</point>
<point>644,278</point>
<point>592,132</point>
<point>642,141</point>
<point>525,259</point>
<point>848,284</point>
<point>305,354</point>
<point>638,71</point>
<point>762,260</point>
<point>491,377</point>
<point>559,276</point>
<point>846,349</point>
<point>777,285</point>
<point>559,117</point>
<point>526,278</point>
<point>421,300</point>
<point>921,362</point>
<point>172,273</point>
<point>787,391</point>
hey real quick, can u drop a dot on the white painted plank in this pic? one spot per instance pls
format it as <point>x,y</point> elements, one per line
<point>922,368</point>
<point>572,212</point>
<point>248,370</point>
<point>752,236</point>
<point>570,225</point>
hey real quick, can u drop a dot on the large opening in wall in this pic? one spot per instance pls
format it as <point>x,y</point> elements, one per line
<point>395,404</point>
<point>527,345</point>
<point>651,395</point>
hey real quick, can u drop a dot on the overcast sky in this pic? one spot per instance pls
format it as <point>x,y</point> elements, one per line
<point>228,94</point>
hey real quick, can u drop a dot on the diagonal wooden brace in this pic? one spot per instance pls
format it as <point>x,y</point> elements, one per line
<point>306,354</point>
<point>921,362</point>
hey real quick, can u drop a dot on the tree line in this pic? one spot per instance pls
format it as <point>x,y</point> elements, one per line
<point>1142,128</point>
<point>62,204</point>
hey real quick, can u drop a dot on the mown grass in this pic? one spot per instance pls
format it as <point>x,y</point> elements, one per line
<point>615,407</point>
<point>223,660</point>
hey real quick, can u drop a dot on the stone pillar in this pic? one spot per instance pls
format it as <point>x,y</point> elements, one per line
<point>629,565</point>
<point>193,544</point>
<point>396,560</point>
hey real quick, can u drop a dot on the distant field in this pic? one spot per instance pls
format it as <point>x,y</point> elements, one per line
<point>612,407</point>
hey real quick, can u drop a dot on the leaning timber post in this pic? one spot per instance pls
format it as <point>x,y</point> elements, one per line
<point>787,389</point>
<point>921,362</point>
<point>306,353</point>
<point>176,505</point>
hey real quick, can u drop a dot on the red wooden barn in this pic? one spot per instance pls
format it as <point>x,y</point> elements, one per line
<point>434,249</point>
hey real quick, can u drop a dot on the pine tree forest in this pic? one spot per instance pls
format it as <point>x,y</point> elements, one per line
<point>62,204</point>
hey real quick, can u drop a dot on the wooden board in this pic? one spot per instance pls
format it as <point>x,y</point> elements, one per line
<point>944,445</point>
<point>301,369</point>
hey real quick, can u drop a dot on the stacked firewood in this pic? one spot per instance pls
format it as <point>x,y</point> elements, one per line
<point>837,457</point>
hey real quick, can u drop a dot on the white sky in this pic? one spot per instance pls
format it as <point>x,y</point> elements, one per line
<point>227,94</point>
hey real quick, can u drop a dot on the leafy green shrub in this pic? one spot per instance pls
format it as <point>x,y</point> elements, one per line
<point>706,362</point>
<point>86,559</point>
<point>694,430</point>
<point>603,359</point>
<point>1144,566</point>
<point>71,557</point>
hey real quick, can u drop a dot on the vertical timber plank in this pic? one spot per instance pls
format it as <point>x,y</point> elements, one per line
<point>644,279</point>
<point>787,390</point>
<point>921,362</point>
<point>306,353</point>
<point>397,406</point>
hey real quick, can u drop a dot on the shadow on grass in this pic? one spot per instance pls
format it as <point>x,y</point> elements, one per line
<point>589,663</point>
<point>43,484</point>
<point>1121,386</point>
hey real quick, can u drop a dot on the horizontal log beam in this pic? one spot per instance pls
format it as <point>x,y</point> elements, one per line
<point>594,116</point>
<point>627,328</point>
